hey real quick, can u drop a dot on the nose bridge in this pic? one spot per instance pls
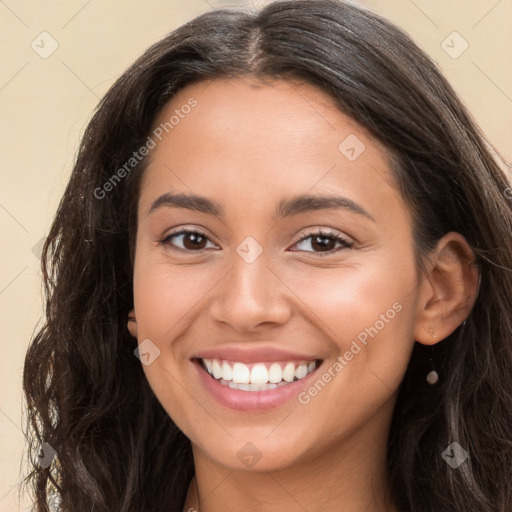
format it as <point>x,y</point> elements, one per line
<point>251,294</point>
<point>251,279</point>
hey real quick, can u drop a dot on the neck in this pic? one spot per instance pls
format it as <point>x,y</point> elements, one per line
<point>349,476</point>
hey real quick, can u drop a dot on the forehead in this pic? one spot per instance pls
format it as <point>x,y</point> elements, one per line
<point>277,114</point>
<point>246,138</point>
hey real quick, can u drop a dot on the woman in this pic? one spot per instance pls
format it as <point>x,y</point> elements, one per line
<point>279,279</point>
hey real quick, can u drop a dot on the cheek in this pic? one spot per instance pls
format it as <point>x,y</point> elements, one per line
<point>167,297</point>
<point>371,355</point>
<point>367,314</point>
<point>165,294</point>
<point>348,300</point>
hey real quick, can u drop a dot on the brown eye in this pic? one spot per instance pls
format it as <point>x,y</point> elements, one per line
<point>325,242</point>
<point>190,240</point>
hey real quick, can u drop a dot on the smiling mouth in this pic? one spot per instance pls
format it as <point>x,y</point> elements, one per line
<point>257,376</point>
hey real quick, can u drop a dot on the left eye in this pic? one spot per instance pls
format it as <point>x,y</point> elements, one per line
<point>321,242</point>
<point>192,240</point>
<point>325,241</point>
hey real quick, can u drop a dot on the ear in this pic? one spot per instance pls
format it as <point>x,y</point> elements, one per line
<point>132,323</point>
<point>449,290</point>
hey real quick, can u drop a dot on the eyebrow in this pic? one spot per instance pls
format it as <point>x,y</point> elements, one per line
<point>286,207</point>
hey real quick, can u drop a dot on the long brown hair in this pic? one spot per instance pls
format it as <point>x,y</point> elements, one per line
<point>87,396</point>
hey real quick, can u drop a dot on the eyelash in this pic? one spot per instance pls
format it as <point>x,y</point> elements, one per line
<point>320,233</point>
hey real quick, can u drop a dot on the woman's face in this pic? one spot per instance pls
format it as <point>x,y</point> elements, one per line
<point>259,296</point>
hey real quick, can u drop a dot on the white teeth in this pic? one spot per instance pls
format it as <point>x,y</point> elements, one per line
<point>257,377</point>
<point>289,372</point>
<point>217,369</point>
<point>240,373</point>
<point>227,371</point>
<point>259,374</point>
<point>250,387</point>
<point>301,371</point>
<point>275,374</point>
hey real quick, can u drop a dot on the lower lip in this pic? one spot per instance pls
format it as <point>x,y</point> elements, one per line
<point>252,400</point>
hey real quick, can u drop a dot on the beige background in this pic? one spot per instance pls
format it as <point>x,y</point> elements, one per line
<point>45,104</point>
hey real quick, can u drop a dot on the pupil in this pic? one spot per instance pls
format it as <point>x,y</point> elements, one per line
<point>195,240</point>
<point>324,242</point>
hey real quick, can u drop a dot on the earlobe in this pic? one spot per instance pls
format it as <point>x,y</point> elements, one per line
<point>132,323</point>
<point>449,291</point>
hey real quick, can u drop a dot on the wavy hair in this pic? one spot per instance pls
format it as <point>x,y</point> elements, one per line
<point>87,395</point>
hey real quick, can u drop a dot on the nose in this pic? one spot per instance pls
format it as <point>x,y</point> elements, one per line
<point>251,296</point>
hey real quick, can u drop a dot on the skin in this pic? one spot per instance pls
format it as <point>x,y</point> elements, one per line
<point>248,145</point>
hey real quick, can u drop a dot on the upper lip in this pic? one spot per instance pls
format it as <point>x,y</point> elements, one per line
<point>253,355</point>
